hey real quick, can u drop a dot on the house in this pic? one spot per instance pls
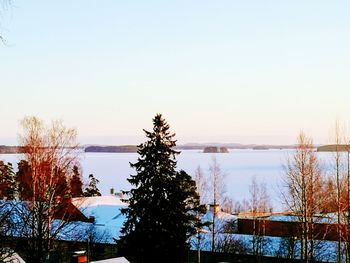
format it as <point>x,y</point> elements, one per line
<point>105,211</point>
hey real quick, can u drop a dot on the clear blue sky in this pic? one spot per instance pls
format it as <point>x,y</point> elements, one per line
<point>224,71</point>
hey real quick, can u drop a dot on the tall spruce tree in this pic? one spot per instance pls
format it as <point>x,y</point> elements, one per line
<point>162,203</point>
<point>75,183</point>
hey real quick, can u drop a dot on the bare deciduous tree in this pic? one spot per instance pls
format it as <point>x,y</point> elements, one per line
<point>338,187</point>
<point>303,196</point>
<point>202,185</point>
<point>347,200</point>
<point>341,191</point>
<point>259,203</point>
<point>50,153</point>
<point>217,191</point>
<point>212,191</point>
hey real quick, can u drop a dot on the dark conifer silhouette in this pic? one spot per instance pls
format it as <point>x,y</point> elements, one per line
<point>91,189</point>
<point>162,202</point>
<point>75,183</point>
<point>7,181</point>
<point>24,180</point>
<point>62,189</point>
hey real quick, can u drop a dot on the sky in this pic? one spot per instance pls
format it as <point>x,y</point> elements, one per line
<point>219,71</point>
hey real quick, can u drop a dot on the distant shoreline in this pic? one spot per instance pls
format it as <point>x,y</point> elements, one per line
<point>5,149</point>
<point>334,148</point>
<point>194,146</point>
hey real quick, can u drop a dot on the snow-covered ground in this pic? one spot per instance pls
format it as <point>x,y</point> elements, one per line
<point>109,220</point>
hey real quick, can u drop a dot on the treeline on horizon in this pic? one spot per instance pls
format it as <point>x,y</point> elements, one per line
<point>6,149</point>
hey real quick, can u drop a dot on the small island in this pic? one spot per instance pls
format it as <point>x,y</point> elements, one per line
<point>112,149</point>
<point>214,149</point>
<point>260,147</point>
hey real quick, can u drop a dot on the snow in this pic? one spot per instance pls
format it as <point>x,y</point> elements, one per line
<point>284,218</point>
<point>220,216</point>
<point>106,211</point>
<point>225,216</point>
<point>319,218</point>
<point>97,200</point>
<point>112,260</point>
<point>271,246</point>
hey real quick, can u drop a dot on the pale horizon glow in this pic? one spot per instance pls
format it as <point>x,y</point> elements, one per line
<point>219,71</point>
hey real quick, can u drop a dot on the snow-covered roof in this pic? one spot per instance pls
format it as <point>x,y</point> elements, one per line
<point>220,216</point>
<point>97,200</point>
<point>106,211</point>
<point>112,260</point>
<point>284,218</point>
<point>225,216</point>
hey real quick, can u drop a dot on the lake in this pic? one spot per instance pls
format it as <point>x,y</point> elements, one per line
<point>238,166</point>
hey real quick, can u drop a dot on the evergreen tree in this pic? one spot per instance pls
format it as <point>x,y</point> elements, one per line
<point>7,181</point>
<point>62,190</point>
<point>91,189</point>
<point>75,183</point>
<point>24,180</point>
<point>162,203</point>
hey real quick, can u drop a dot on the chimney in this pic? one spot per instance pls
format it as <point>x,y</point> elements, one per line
<point>214,208</point>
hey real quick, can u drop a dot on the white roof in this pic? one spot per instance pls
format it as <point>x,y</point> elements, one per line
<point>225,216</point>
<point>112,260</point>
<point>97,200</point>
<point>106,211</point>
<point>220,216</point>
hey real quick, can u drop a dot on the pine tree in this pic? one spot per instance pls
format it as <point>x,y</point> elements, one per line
<point>91,189</point>
<point>162,202</point>
<point>75,183</point>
